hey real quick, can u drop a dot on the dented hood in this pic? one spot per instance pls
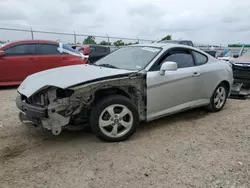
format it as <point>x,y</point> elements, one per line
<point>242,59</point>
<point>65,77</point>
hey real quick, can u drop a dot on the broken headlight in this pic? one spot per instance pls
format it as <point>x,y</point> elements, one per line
<point>63,93</point>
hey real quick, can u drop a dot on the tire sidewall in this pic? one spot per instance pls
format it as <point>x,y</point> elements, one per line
<point>104,103</point>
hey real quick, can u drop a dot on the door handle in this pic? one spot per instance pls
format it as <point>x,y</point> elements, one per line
<point>65,58</point>
<point>196,74</point>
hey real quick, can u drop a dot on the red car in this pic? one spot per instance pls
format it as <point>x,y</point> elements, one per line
<point>22,58</point>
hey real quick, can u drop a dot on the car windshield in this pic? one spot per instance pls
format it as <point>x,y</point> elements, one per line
<point>130,58</point>
<point>247,53</point>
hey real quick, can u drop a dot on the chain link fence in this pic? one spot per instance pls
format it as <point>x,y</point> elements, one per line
<point>72,38</point>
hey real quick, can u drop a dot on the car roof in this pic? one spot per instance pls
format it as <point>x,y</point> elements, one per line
<point>35,41</point>
<point>165,45</point>
<point>175,40</point>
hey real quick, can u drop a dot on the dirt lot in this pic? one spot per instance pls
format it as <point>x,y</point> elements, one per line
<point>192,149</point>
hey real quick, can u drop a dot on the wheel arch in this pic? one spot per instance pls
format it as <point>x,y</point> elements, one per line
<point>130,92</point>
<point>227,84</point>
<point>104,92</point>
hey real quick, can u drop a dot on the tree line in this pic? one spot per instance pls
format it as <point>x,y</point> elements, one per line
<point>91,40</point>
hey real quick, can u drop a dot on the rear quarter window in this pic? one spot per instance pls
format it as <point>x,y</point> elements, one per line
<point>200,58</point>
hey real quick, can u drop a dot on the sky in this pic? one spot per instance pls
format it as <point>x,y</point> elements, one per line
<point>202,21</point>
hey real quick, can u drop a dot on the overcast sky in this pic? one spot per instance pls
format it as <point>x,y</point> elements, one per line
<point>203,21</point>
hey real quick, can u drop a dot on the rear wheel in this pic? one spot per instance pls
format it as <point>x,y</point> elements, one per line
<point>218,98</point>
<point>114,118</point>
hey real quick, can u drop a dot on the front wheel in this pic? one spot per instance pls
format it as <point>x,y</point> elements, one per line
<point>114,118</point>
<point>218,98</point>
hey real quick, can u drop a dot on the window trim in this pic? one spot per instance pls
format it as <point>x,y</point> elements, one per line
<point>196,59</point>
<point>12,46</point>
<point>161,58</point>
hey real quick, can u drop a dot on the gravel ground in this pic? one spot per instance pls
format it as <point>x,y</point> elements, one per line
<point>191,149</point>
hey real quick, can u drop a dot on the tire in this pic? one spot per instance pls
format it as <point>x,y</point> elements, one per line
<point>106,119</point>
<point>214,106</point>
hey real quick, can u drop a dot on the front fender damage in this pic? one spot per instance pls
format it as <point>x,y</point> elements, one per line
<point>70,108</point>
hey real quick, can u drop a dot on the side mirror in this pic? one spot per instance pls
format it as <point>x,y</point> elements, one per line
<point>2,53</point>
<point>236,55</point>
<point>168,66</point>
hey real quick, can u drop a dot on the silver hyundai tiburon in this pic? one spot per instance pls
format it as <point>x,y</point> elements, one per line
<point>135,83</point>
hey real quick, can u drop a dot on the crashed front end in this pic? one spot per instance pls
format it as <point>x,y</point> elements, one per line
<point>51,108</point>
<point>54,108</point>
<point>241,74</point>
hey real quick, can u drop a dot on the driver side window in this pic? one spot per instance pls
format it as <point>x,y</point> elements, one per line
<point>182,57</point>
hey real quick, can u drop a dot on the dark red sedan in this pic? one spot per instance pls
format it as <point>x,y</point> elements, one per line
<point>22,58</point>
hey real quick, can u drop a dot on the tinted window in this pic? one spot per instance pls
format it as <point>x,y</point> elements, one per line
<point>22,49</point>
<point>183,43</point>
<point>183,60</point>
<point>200,58</point>
<point>47,49</point>
<point>92,49</point>
<point>190,43</point>
<point>101,49</point>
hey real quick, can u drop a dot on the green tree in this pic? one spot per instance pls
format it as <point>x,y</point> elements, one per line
<point>105,43</point>
<point>89,40</point>
<point>119,43</point>
<point>168,37</point>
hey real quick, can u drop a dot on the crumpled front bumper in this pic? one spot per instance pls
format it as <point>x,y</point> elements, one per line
<point>31,112</point>
<point>241,74</point>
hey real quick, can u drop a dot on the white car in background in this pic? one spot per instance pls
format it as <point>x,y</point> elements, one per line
<point>136,83</point>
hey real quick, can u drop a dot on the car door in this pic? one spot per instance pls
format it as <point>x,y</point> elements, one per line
<point>49,56</point>
<point>208,77</point>
<point>176,90</point>
<point>17,64</point>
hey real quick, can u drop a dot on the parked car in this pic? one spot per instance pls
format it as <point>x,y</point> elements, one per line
<point>94,51</point>
<point>22,58</point>
<point>183,42</point>
<point>135,83</point>
<point>241,74</point>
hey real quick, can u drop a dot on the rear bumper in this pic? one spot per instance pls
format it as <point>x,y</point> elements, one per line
<point>31,111</point>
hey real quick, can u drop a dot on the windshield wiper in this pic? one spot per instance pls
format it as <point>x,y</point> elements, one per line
<point>107,65</point>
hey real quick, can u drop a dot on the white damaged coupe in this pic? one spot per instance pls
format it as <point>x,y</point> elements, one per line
<point>131,85</point>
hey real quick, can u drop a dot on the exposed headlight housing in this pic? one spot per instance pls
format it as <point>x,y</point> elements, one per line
<point>63,93</point>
